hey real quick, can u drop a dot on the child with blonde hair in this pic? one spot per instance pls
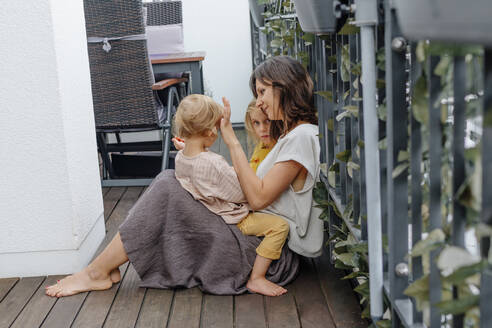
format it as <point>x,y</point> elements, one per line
<point>212,181</point>
<point>258,127</point>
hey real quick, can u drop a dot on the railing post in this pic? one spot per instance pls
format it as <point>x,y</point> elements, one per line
<point>459,211</point>
<point>416,179</point>
<point>435,216</point>
<point>396,134</point>
<point>486,215</point>
<point>366,18</point>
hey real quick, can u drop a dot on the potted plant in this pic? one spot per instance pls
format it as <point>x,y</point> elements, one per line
<point>446,20</point>
<point>256,11</point>
<point>316,16</point>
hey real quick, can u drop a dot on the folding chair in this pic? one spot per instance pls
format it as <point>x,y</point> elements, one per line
<point>124,93</point>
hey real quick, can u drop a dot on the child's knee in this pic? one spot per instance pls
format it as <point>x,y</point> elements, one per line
<point>282,227</point>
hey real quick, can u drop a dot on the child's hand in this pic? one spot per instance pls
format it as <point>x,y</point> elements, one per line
<point>179,143</point>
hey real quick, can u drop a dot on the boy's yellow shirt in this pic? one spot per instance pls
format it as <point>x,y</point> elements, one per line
<point>260,152</point>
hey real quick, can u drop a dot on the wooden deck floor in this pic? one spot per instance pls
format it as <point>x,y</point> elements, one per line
<point>317,298</point>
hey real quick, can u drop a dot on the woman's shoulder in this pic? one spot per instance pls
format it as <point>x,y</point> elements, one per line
<point>305,130</point>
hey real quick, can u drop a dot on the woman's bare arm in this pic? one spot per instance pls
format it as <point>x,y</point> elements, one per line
<point>259,192</point>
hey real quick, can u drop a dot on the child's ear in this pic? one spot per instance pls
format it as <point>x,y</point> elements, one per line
<point>208,133</point>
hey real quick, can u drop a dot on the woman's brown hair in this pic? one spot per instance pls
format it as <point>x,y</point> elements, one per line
<point>295,87</point>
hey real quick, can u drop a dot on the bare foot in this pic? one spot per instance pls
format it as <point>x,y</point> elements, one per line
<point>265,287</point>
<point>83,281</point>
<point>115,275</point>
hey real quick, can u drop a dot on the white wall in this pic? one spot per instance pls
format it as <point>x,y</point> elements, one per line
<point>51,211</point>
<point>221,28</point>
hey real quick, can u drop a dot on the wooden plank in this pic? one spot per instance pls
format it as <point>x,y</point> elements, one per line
<point>126,306</point>
<point>97,305</point>
<point>342,302</point>
<point>111,199</point>
<point>17,298</point>
<point>250,311</point>
<point>38,307</point>
<point>312,308</point>
<point>186,308</point>
<point>105,190</point>
<point>217,312</point>
<point>64,311</point>
<point>67,309</point>
<point>6,285</point>
<point>119,214</point>
<point>155,308</point>
<point>282,312</point>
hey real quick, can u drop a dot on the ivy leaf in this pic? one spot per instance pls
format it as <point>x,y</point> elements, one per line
<point>320,193</point>
<point>386,323</point>
<point>325,94</point>
<point>361,248</point>
<point>356,274</point>
<point>453,49</point>
<point>420,101</point>
<point>343,155</point>
<point>382,112</point>
<point>403,155</point>
<point>460,305</point>
<point>339,265</point>
<point>330,125</point>
<point>351,166</point>
<point>443,66</point>
<point>308,37</point>
<point>343,115</point>
<point>383,144</point>
<point>419,290</point>
<point>452,258</point>
<point>345,64</point>
<point>332,179</point>
<point>349,29</point>
<point>465,272</point>
<point>421,51</point>
<point>276,43</point>
<point>363,289</point>
<point>434,240</point>
<point>400,169</point>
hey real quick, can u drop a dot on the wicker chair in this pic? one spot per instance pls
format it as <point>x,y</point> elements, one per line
<point>123,89</point>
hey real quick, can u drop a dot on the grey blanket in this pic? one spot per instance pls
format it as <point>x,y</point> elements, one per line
<point>173,241</point>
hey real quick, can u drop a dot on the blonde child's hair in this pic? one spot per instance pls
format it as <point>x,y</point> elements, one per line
<point>196,115</point>
<point>252,137</point>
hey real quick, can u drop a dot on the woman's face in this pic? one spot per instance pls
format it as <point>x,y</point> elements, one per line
<point>261,126</point>
<point>268,100</point>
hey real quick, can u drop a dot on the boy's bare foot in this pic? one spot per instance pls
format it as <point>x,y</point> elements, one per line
<point>83,281</point>
<point>115,275</point>
<point>265,287</point>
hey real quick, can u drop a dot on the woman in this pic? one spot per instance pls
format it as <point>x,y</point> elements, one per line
<point>173,241</point>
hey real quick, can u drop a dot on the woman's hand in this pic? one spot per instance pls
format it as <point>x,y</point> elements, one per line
<point>225,124</point>
<point>179,143</point>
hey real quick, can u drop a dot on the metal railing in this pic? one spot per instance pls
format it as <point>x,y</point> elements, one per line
<point>374,164</point>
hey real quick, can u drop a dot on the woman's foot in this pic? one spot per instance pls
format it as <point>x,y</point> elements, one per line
<point>83,281</point>
<point>265,287</point>
<point>115,275</point>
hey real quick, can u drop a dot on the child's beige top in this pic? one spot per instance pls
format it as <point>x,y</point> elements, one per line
<point>211,180</point>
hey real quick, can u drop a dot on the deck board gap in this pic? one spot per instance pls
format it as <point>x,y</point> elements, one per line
<point>8,291</point>
<point>28,300</point>
<point>171,309</point>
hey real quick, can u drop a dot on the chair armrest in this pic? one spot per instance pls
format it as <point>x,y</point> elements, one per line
<point>167,83</point>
